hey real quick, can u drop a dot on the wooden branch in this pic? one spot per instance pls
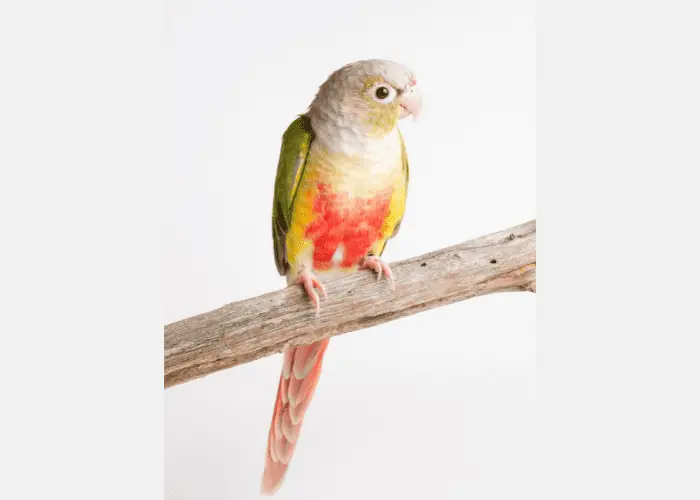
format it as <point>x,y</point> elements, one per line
<point>244,331</point>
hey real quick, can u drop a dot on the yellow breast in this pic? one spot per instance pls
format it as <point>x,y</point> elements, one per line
<point>346,206</point>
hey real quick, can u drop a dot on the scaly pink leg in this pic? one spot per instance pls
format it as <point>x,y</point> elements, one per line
<point>310,282</point>
<point>379,266</point>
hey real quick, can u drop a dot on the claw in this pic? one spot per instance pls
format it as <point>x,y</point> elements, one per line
<point>310,283</point>
<point>379,266</point>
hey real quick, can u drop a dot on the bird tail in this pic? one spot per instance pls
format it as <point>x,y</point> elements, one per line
<point>300,374</point>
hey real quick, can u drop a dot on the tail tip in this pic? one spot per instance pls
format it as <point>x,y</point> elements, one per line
<point>271,482</point>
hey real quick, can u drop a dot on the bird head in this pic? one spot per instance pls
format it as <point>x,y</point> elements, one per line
<point>370,96</point>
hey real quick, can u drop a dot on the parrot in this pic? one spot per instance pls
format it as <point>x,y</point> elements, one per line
<point>339,195</point>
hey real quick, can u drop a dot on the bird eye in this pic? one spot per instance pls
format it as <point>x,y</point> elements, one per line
<point>383,93</point>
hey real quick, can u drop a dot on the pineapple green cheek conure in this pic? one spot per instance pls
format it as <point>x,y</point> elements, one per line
<point>340,195</point>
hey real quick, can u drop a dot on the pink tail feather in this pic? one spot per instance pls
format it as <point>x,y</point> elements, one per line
<point>300,375</point>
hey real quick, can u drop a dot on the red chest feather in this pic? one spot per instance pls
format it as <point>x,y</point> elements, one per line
<point>345,228</point>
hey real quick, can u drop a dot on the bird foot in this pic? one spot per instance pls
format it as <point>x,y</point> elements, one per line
<point>379,266</point>
<point>310,283</point>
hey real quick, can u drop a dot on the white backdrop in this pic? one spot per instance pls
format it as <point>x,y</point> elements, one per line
<point>437,405</point>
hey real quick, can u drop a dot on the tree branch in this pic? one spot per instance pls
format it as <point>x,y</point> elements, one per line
<point>244,331</point>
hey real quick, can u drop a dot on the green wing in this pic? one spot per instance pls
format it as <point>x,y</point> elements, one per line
<point>404,160</point>
<point>296,142</point>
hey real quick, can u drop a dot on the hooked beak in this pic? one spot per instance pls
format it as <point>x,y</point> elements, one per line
<point>411,102</point>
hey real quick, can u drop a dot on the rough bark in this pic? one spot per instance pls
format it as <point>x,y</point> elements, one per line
<point>244,331</point>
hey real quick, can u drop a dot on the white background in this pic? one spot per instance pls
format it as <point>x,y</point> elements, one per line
<point>437,405</point>
<point>87,149</point>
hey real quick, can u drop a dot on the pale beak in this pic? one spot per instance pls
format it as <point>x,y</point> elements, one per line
<point>411,102</point>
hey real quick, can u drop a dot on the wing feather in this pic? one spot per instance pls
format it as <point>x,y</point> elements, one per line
<point>296,143</point>
<point>399,216</point>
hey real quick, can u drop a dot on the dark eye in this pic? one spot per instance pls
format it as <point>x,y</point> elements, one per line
<point>382,93</point>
